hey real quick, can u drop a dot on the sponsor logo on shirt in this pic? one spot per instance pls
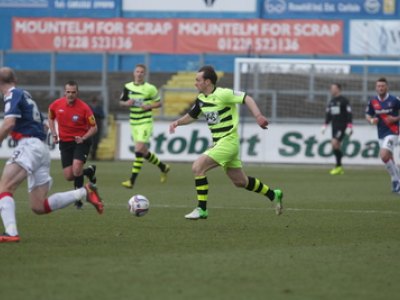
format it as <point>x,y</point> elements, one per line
<point>383,111</point>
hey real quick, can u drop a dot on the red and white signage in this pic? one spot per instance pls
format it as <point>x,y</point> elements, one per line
<point>185,36</point>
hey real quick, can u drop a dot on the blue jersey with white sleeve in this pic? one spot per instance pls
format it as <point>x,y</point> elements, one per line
<point>381,109</point>
<point>19,104</point>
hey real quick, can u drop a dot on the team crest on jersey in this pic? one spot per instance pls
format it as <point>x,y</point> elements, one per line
<point>376,105</point>
<point>75,118</point>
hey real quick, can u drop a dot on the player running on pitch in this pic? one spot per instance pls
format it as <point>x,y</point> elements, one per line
<point>30,159</point>
<point>339,112</point>
<point>383,111</point>
<point>219,106</point>
<point>141,97</point>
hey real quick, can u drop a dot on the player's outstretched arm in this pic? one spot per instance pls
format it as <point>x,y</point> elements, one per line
<point>255,111</point>
<point>186,119</point>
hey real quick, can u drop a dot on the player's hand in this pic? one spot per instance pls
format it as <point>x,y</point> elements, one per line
<point>79,140</point>
<point>262,121</point>
<point>373,121</point>
<point>348,131</point>
<point>323,129</point>
<point>55,138</point>
<point>146,107</point>
<point>172,126</point>
<point>130,102</point>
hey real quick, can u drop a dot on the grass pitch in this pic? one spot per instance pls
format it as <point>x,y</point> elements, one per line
<point>339,238</point>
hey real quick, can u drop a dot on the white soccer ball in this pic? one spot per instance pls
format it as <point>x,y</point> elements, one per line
<point>138,205</point>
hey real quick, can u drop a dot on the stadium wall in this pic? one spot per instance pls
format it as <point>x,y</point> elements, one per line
<point>281,143</point>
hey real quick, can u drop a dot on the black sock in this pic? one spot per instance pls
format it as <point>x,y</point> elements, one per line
<point>338,155</point>
<point>136,166</point>
<point>133,177</point>
<point>152,158</point>
<point>255,185</point>
<point>202,205</point>
<point>270,194</point>
<point>78,182</point>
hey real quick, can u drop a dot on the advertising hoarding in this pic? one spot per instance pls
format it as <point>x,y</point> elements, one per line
<point>178,36</point>
<point>330,9</point>
<point>64,8</point>
<point>191,9</point>
<point>281,143</point>
<point>374,37</point>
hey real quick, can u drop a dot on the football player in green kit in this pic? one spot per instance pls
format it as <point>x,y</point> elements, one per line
<point>219,106</point>
<point>141,98</point>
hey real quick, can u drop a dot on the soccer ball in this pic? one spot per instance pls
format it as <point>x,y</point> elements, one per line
<point>138,205</point>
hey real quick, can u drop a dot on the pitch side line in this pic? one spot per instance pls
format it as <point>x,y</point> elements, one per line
<point>350,211</point>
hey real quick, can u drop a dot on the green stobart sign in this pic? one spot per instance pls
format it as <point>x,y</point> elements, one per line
<point>281,143</point>
<point>294,142</point>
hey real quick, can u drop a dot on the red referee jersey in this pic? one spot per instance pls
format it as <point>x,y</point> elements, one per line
<point>73,119</point>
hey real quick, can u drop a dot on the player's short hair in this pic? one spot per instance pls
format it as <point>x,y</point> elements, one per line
<point>141,66</point>
<point>209,73</point>
<point>7,75</point>
<point>338,85</point>
<point>72,83</point>
<point>382,79</point>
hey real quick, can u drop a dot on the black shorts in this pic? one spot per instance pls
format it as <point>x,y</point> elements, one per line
<point>71,150</point>
<point>338,133</point>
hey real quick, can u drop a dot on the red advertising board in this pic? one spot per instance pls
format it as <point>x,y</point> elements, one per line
<point>185,36</point>
<point>67,34</point>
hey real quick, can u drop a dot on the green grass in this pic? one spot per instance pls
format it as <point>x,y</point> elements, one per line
<point>339,238</point>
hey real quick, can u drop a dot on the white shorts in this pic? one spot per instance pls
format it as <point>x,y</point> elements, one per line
<point>389,142</point>
<point>33,155</point>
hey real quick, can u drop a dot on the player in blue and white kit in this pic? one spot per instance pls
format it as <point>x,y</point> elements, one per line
<point>30,159</point>
<point>383,111</point>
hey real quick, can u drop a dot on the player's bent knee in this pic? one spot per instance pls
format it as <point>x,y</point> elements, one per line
<point>386,156</point>
<point>197,169</point>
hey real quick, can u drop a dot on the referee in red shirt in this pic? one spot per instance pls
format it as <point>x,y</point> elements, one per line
<point>76,126</point>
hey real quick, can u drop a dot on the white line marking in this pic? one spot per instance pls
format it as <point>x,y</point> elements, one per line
<point>321,210</point>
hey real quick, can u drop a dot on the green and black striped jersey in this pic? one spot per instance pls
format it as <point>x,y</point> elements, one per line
<point>220,110</point>
<point>143,94</point>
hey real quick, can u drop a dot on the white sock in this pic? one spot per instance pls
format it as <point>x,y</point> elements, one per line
<point>7,212</point>
<point>393,170</point>
<point>61,200</point>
